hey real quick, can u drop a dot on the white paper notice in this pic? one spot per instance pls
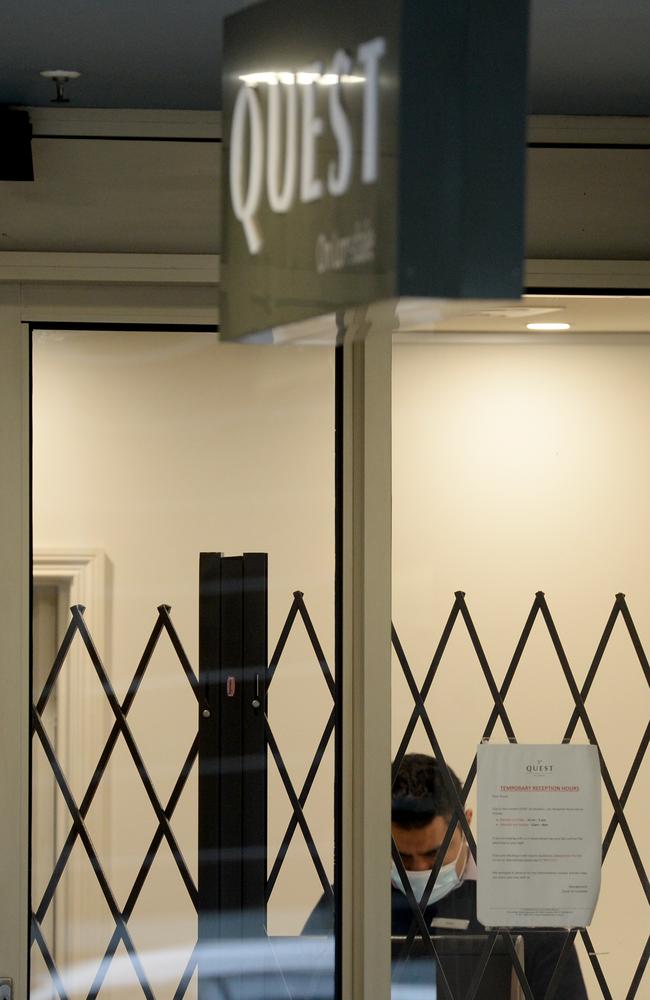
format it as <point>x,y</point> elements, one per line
<point>539,835</point>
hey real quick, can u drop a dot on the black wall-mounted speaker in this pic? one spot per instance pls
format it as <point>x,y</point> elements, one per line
<point>15,145</point>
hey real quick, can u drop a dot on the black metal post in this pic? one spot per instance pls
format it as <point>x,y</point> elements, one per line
<point>233,598</point>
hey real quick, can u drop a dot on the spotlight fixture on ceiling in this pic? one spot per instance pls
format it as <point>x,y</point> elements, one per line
<point>60,78</point>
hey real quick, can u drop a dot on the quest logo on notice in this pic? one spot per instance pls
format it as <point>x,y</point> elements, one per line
<point>539,768</point>
<point>292,168</point>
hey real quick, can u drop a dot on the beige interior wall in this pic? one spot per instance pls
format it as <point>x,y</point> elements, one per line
<point>516,468</point>
<point>155,447</point>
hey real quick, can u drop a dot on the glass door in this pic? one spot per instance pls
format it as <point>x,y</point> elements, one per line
<point>151,447</point>
<point>521,481</point>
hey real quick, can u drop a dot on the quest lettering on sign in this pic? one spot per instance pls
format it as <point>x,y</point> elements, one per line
<point>371,152</point>
<point>291,166</point>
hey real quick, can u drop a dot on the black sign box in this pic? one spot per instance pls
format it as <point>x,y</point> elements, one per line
<point>372,150</point>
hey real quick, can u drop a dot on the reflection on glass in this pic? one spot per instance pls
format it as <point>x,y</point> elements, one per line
<point>437,886</point>
<point>528,473</point>
<point>149,449</point>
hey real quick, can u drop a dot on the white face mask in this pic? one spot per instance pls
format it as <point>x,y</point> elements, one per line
<point>448,879</point>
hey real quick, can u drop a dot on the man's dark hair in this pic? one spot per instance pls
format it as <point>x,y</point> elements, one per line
<point>419,791</point>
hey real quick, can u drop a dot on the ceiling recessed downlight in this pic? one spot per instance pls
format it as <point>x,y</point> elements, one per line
<point>548,326</point>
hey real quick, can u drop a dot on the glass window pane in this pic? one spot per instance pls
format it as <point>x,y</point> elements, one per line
<point>150,448</point>
<point>520,467</point>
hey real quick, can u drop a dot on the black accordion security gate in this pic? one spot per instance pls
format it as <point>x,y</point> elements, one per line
<point>231,747</point>
<point>235,881</point>
<point>460,615</point>
<point>79,811</point>
<point>236,739</point>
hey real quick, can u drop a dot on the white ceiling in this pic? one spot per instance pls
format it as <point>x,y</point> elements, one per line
<point>588,57</point>
<point>588,316</point>
<point>591,318</point>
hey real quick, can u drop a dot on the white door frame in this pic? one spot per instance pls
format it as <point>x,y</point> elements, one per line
<point>83,575</point>
<point>130,291</point>
<point>146,294</point>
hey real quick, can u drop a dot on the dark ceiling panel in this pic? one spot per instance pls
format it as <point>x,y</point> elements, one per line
<point>131,53</point>
<point>588,57</point>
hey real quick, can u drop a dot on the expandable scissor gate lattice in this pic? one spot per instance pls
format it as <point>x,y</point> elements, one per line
<point>460,612</point>
<point>298,616</point>
<point>79,811</point>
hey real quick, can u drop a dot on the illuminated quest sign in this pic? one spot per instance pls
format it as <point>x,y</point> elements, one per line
<point>371,151</point>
